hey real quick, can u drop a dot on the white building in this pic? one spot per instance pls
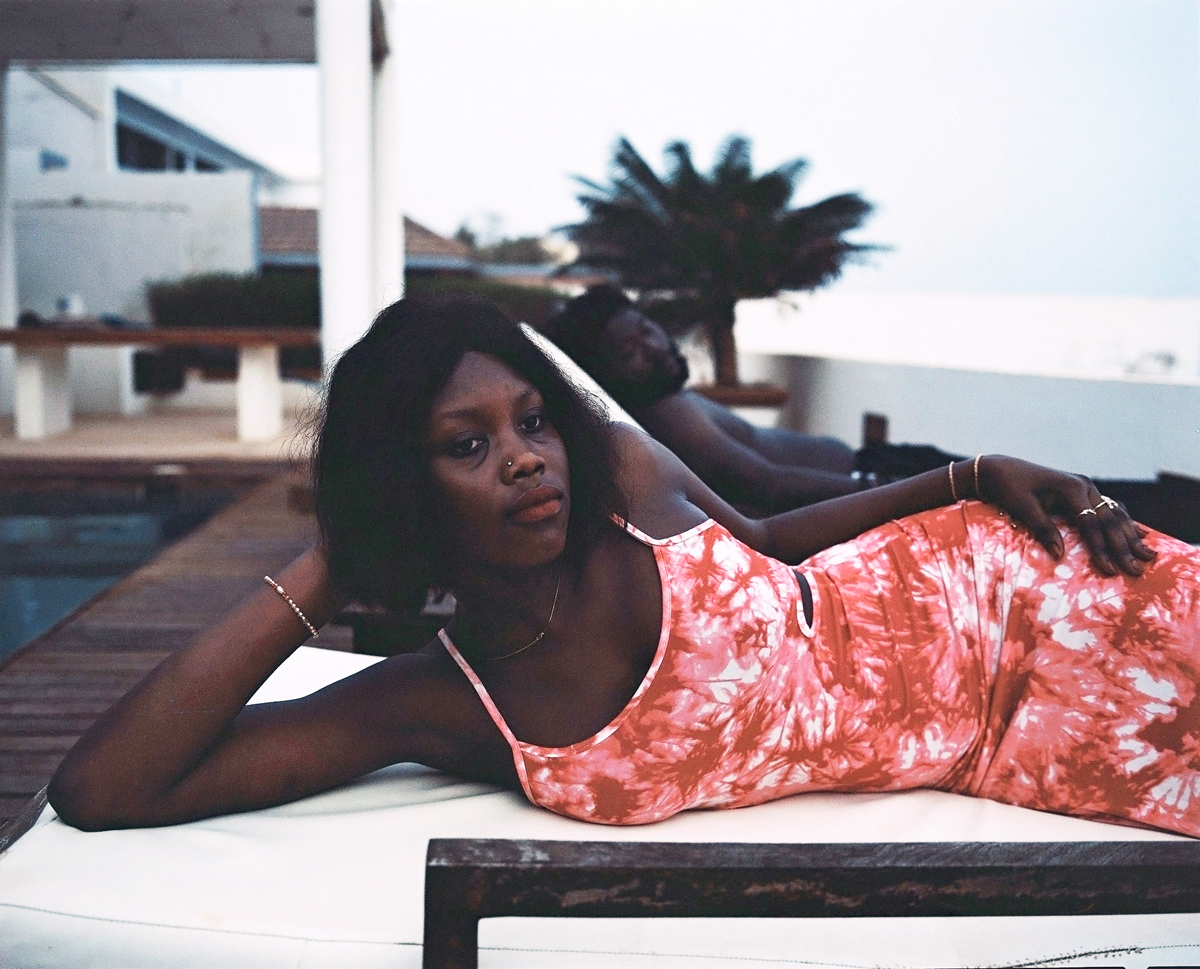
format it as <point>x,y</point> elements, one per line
<point>111,191</point>
<point>349,41</point>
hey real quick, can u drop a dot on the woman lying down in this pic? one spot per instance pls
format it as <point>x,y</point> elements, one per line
<point>628,646</point>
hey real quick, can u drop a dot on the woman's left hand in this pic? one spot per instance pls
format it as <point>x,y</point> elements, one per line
<point>1031,494</point>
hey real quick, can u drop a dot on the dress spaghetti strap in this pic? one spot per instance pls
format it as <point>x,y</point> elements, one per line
<point>658,542</point>
<point>492,709</point>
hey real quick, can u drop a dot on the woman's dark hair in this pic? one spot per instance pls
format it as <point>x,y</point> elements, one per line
<point>580,328</point>
<point>382,522</point>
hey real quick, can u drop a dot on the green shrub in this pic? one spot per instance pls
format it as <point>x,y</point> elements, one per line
<point>293,300</point>
<point>225,300</point>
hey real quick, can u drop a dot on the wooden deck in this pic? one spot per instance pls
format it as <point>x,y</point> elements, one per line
<point>54,688</point>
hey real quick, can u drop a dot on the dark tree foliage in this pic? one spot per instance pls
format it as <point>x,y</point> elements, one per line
<point>712,240</point>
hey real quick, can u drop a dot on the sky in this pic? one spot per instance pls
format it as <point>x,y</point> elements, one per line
<point>1009,146</point>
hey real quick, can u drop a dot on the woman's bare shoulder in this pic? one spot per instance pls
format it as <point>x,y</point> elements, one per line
<point>655,484</point>
<point>665,497</point>
<point>643,453</point>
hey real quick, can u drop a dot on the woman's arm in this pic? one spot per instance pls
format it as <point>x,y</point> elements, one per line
<point>183,745</point>
<point>1030,493</point>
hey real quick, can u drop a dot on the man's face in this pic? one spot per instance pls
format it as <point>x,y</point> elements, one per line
<point>642,364</point>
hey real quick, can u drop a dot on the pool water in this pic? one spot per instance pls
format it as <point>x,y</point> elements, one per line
<point>60,548</point>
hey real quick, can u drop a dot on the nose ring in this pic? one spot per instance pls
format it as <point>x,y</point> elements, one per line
<point>509,464</point>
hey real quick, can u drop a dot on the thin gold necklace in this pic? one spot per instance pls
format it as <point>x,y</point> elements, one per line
<point>538,638</point>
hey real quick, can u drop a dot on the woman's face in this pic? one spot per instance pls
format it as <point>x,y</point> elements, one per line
<point>500,467</point>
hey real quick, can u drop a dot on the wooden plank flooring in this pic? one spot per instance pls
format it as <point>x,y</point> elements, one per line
<point>54,688</point>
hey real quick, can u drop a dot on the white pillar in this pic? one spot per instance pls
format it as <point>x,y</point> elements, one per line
<point>343,35</point>
<point>259,393</point>
<point>389,225</point>
<point>8,253</point>
<point>42,402</point>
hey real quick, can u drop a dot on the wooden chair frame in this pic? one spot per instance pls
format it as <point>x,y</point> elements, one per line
<point>470,879</point>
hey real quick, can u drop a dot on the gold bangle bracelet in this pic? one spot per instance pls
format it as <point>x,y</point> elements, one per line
<point>975,465</point>
<point>295,608</point>
<point>953,489</point>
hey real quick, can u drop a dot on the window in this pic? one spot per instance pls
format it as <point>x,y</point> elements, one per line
<point>51,161</point>
<point>139,152</point>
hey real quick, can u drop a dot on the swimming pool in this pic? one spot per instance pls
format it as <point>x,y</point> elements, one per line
<point>61,545</point>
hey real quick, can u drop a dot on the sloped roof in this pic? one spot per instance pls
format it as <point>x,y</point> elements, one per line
<point>292,232</point>
<point>167,124</point>
<point>419,241</point>
<point>287,231</point>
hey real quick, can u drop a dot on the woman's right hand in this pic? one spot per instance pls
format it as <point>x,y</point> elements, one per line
<point>1032,494</point>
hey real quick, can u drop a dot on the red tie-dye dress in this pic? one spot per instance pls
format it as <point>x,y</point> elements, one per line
<point>947,650</point>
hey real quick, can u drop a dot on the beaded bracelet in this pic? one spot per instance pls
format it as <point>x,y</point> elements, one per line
<point>295,608</point>
<point>953,489</point>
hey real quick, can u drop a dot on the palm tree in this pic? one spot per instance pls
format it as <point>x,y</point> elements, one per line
<point>713,240</point>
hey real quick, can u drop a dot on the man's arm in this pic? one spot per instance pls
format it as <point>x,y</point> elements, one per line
<point>736,471</point>
<point>779,445</point>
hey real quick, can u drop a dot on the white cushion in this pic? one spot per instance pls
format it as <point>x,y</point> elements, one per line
<point>338,880</point>
<point>579,377</point>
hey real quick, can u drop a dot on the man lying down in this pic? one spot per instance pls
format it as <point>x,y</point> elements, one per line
<point>764,469</point>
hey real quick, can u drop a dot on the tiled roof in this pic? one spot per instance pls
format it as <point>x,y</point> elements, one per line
<point>293,232</point>
<point>419,241</point>
<point>290,232</point>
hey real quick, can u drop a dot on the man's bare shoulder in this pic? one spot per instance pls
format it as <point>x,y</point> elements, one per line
<point>682,413</point>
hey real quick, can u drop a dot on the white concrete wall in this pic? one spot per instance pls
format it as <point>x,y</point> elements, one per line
<point>65,111</point>
<point>1110,388</point>
<point>104,236</point>
<point>1100,337</point>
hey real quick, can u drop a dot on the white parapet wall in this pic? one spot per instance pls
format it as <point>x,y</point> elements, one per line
<point>1108,387</point>
<point>103,236</point>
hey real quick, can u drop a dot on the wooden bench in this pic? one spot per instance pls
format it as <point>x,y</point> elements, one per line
<point>42,402</point>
